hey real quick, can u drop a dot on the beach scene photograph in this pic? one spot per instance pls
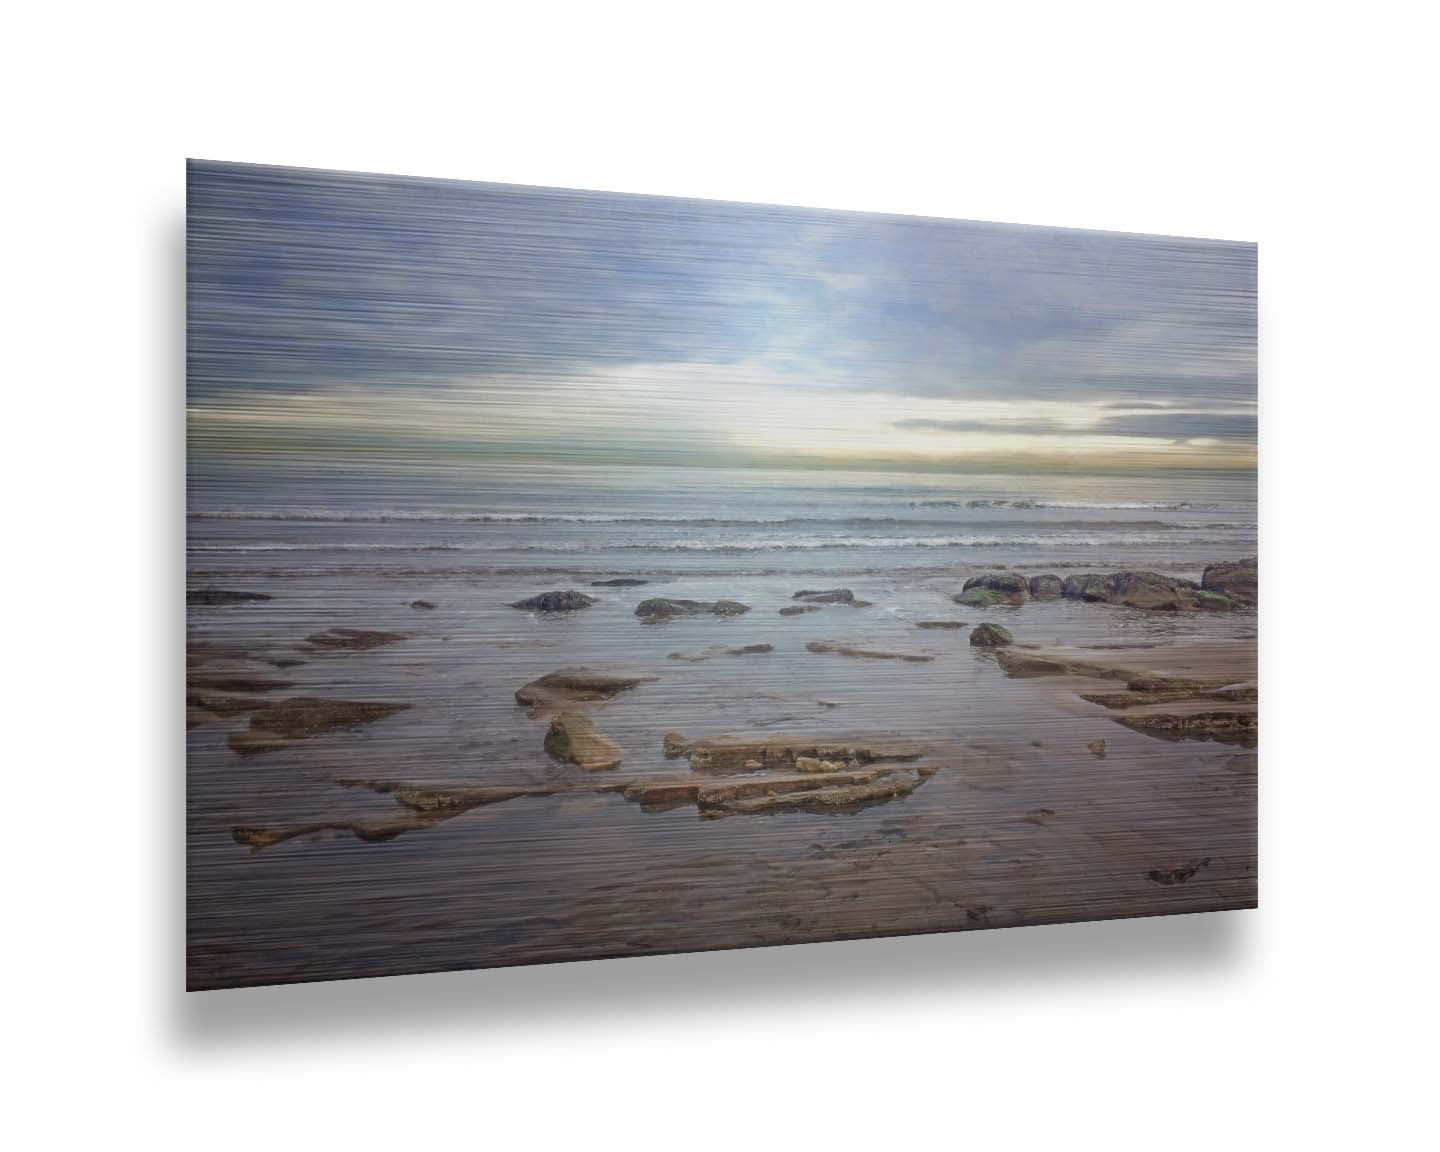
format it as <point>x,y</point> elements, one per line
<point>575,575</point>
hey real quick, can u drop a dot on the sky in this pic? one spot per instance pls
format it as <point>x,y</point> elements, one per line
<point>344,314</point>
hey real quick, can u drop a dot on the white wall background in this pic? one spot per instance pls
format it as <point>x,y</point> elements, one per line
<point>1311,129</point>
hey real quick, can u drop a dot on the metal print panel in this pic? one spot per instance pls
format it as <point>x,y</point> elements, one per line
<point>579,575</point>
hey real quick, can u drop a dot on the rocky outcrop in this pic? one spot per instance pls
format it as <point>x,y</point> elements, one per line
<point>849,797</point>
<point>1239,580</point>
<point>730,754</point>
<point>1045,587</point>
<point>422,605</point>
<point>560,601</point>
<point>663,608</point>
<point>619,582</point>
<point>274,726</point>
<point>215,596</point>
<point>990,636</point>
<point>574,738</point>
<point>831,596</point>
<point>422,798</point>
<point>717,792</point>
<point>675,745</point>
<point>372,832</point>
<point>942,625</point>
<point>1097,749</point>
<point>820,646</point>
<point>1240,726</point>
<point>1148,591</point>
<point>812,764</point>
<point>994,588</point>
<point>798,609</point>
<point>352,639</point>
<point>568,686</point>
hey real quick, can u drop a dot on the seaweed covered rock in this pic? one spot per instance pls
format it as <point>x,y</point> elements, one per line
<point>1045,587</point>
<point>1005,588</point>
<point>664,608</point>
<point>990,636</point>
<point>1239,580</point>
<point>1148,591</point>
<point>831,596</point>
<point>560,601</point>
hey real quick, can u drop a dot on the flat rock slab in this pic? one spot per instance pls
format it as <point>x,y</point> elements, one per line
<point>353,639</point>
<point>274,725</point>
<point>851,797</point>
<point>575,686</point>
<point>218,596</point>
<point>574,738</point>
<point>821,647</point>
<point>727,754</point>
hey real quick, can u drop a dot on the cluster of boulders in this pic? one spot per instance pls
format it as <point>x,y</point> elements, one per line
<point>1222,587</point>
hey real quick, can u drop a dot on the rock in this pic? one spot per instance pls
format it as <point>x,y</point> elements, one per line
<point>750,650</point>
<point>1169,876</point>
<point>798,609</point>
<point>422,605</point>
<point>980,598</point>
<point>353,639</point>
<point>668,792</point>
<point>223,683</point>
<point>811,764</point>
<point>729,754</point>
<point>842,798</point>
<point>675,745</point>
<point>211,595</point>
<point>1025,665</point>
<point>948,625</point>
<point>426,799</point>
<point>1239,580</point>
<point>1097,749</point>
<point>1045,587</point>
<point>831,596</point>
<point>1011,588</point>
<point>566,601</point>
<point>1148,591</point>
<point>1040,817</point>
<point>753,766</point>
<point>574,738</point>
<point>867,653</point>
<point>663,608</point>
<point>371,831</point>
<point>576,685</point>
<point>1238,727</point>
<point>990,636</point>
<point>273,726</point>
<point>224,705</point>
<point>619,582</point>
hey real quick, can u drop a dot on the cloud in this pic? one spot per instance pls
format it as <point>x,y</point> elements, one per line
<point>651,318</point>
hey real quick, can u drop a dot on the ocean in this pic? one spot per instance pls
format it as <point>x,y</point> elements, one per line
<point>584,873</point>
